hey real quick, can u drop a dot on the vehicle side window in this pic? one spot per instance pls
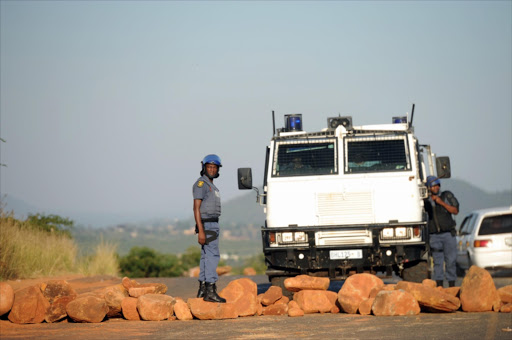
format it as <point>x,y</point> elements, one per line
<point>500,224</point>
<point>465,224</point>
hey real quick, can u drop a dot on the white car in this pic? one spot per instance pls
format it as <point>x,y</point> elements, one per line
<point>485,239</point>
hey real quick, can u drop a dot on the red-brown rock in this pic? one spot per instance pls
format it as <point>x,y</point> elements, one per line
<point>129,308</point>
<point>155,307</point>
<point>356,289</point>
<point>397,302</point>
<point>429,283</point>
<point>147,288</point>
<point>279,309</point>
<point>249,271</point>
<point>6,297</point>
<point>128,283</point>
<point>315,301</point>
<point>211,310</point>
<point>453,291</point>
<point>87,308</point>
<point>506,308</point>
<point>58,293</point>
<point>505,294</point>
<point>365,308</point>
<point>223,270</point>
<point>431,299</point>
<point>302,282</point>
<point>29,306</point>
<point>272,294</point>
<point>243,294</point>
<point>478,292</point>
<point>182,311</point>
<point>114,296</point>
<point>283,299</point>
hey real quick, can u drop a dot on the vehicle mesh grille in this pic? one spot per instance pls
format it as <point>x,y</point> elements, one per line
<point>343,237</point>
<point>345,208</point>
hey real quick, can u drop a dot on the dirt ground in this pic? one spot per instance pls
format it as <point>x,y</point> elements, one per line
<point>318,326</point>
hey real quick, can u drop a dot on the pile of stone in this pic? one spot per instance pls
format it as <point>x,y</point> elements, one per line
<point>364,294</point>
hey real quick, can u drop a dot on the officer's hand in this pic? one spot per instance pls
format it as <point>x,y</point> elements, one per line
<point>435,198</point>
<point>201,238</point>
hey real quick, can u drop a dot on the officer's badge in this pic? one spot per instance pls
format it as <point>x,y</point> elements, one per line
<point>200,184</point>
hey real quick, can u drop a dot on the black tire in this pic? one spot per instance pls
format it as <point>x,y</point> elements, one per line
<point>278,281</point>
<point>416,272</point>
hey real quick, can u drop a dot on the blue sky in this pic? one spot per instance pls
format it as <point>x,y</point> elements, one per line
<point>109,106</point>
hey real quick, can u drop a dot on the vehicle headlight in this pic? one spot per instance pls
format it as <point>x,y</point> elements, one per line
<point>401,232</point>
<point>300,236</point>
<point>388,233</point>
<point>287,237</point>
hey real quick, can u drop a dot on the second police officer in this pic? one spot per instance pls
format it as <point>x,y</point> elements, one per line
<point>206,214</point>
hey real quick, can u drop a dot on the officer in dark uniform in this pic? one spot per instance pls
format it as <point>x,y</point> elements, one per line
<point>206,213</point>
<point>440,206</point>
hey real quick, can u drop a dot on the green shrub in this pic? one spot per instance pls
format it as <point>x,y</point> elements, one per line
<point>146,262</point>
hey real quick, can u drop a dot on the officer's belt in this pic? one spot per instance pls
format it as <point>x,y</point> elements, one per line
<point>211,219</point>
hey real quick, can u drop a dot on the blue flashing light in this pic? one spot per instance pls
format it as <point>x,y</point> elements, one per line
<point>399,120</point>
<point>293,122</point>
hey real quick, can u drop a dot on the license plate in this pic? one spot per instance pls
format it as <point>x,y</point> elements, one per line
<point>346,254</point>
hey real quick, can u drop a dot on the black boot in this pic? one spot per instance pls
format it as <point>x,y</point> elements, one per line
<point>439,283</point>
<point>202,289</point>
<point>211,293</point>
<point>451,283</point>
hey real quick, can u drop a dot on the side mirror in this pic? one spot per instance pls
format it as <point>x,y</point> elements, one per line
<point>244,178</point>
<point>443,167</point>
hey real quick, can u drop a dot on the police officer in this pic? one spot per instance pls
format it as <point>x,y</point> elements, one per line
<point>440,206</point>
<point>206,213</point>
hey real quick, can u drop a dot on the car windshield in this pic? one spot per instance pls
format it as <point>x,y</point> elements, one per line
<point>501,224</point>
<point>365,154</point>
<point>305,157</point>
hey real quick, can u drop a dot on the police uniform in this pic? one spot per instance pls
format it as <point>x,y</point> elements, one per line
<point>443,243</point>
<point>208,193</point>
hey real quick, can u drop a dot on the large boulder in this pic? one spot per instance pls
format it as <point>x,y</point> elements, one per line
<point>294,309</point>
<point>505,294</point>
<point>478,292</point>
<point>243,293</point>
<point>87,308</point>
<point>114,296</point>
<point>356,289</point>
<point>6,297</point>
<point>431,299</point>
<point>397,302</point>
<point>302,282</point>
<point>147,288</point>
<point>204,310</point>
<point>129,308</point>
<point>272,294</point>
<point>29,306</point>
<point>155,307</point>
<point>182,311</point>
<point>315,301</point>
<point>58,293</point>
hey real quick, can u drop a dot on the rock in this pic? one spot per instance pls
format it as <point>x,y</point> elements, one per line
<point>365,307</point>
<point>506,308</point>
<point>29,306</point>
<point>429,283</point>
<point>147,288</point>
<point>249,271</point>
<point>58,293</point>
<point>128,283</point>
<point>301,282</point>
<point>6,297</point>
<point>397,302</point>
<point>155,307</point>
<point>315,301</point>
<point>87,308</point>
<point>478,292</point>
<point>223,270</point>
<point>505,294</point>
<point>272,294</point>
<point>279,309</point>
<point>259,309</point>
<point>182,311</point>
<point>194,272</point>
<point>129,308</point>
<point>294,309</point>
<point>431,299</point>
<point>211,310</point>
<point>243,294</point>
<point>453,291</point>
<point>114,296</point>
<point>356,289</point>
<point>283,299</point>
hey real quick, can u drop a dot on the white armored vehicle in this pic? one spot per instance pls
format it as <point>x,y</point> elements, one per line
<point>345,199</point>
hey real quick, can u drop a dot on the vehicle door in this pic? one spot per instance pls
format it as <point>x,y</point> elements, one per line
<point>463,240</point>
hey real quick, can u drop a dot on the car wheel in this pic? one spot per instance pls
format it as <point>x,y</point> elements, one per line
<point>416,272</point>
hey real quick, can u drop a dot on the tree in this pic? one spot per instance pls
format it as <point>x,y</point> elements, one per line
<point>51,223</point>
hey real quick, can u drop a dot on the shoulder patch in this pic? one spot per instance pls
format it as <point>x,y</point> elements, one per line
<point>200,184</point>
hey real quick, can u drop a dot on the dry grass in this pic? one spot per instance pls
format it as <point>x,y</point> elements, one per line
<point>26,252</point>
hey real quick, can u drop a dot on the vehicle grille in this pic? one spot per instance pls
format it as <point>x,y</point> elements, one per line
<point>345,208</point>
<point>343,237</point>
